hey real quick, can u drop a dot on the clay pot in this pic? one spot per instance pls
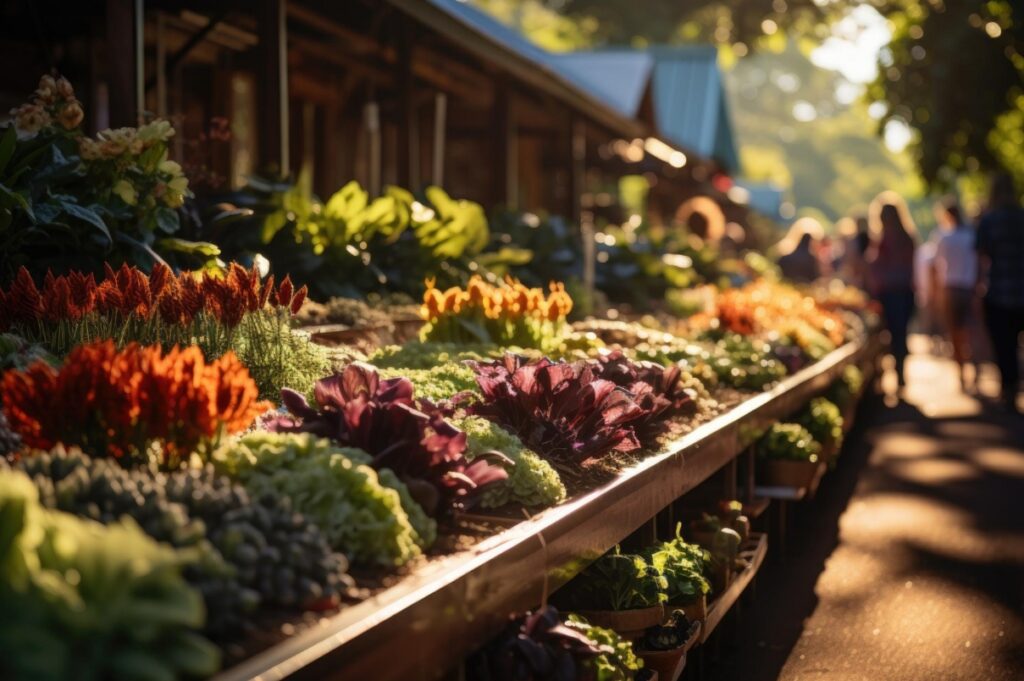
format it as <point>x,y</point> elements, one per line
<point>666,664</point>
<point>696,611</point>
<point>628,624</point>
<point>786,473</point>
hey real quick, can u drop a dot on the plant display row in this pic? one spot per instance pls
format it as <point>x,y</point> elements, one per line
<point>505,314</point>
<point>235,312</point>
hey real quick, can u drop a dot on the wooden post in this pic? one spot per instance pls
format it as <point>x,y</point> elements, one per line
<point>371,118</point>
<point>505,149</point>
<point>577,185</point>
<point>440,126</point>
<point>124,61</point>
<point>408,172</point>
<point>273,84</point>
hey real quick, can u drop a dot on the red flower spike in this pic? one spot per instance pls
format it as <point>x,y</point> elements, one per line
<point>284,291</point>
<point>159,278</point>
<point>268,288</point>
<point>24,300</point>
<point>298,299</point>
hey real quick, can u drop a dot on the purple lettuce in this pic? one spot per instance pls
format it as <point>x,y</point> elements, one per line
<point>562,411</point>
<point>356,408</point>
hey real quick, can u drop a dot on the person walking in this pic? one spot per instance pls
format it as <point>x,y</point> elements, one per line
<point>799,261</point>
<point>956,264</point>
<point>1000,246</point>
<point>891,269</point>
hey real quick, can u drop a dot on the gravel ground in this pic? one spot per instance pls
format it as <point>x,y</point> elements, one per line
<point>909,565</point>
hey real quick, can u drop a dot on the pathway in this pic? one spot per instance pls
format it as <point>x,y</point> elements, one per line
<point>909,565</point>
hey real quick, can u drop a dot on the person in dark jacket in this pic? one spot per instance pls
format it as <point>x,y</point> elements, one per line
<point>1000,245</point>
<point>891,269</point>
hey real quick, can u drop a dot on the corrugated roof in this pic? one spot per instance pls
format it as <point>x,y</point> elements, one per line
<point>481,33</point>
<point>617,77</point>
<point>690,105</point>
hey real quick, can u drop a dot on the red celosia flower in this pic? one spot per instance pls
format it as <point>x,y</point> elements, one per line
<point>297,299</point>
<point>284,292</point>
<point>25,304</point>
<point>116,402</point>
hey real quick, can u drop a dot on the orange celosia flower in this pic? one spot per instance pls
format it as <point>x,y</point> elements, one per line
<point>116,402</point>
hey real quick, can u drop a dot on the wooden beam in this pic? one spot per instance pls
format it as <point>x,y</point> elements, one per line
<point>505,148</point>
<point>407,173</point>
<point>124,66</point>
<point>440,128</point>
<point>273,84</point>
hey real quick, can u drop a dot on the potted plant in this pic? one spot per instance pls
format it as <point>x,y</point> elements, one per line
<point>663,647</point>
<point>790,454</point>
<point>619,591</point>
<point>823,419</point>
<point>731,514</point>
<point>683,566</point>
<point>722,544</point>
<point>546,646</point>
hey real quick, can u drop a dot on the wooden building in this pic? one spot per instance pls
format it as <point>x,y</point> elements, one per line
<point>408,92</point>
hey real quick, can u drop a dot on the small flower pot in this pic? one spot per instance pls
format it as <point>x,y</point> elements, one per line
<point>628,624</point>
<point>695,611</point>
<point>787,473</point>
<point>669,664</point>
<point>666,664</point>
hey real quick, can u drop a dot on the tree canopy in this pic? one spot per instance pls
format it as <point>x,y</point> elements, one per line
<point>953,71</point>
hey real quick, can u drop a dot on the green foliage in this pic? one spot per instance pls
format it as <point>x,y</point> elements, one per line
<point>789,441</point>
<point>972,50</point>
<point>847,387</point>
<point>92,601</point>
<point>824,421</point>
<point>369,517</point>
<point>352,243</point>
<point>616,581</point>
<point>532,481</point>
<point>426,355</point>
<point>18,353</point>
<point>683,566</point>
<point>438,383</point>
<point>619,665</point>
<point>276,356</point>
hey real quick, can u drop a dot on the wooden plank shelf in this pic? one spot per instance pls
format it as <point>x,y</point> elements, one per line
<point>754,551</point>
<point>453,605</point>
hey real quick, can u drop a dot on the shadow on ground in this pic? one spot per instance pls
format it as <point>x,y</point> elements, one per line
<point>933,536</point>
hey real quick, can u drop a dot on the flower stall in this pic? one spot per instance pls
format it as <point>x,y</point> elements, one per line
<point>193,485</point>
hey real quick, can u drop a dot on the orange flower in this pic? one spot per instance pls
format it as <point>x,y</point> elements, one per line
<point>115,403</point>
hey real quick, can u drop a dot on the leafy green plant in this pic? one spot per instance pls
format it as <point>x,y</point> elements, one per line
<point>616,581</point>
<point>683,566</point>
<point>847,387</point>
<point>416,355</point>
<point>93,602</point>
<point>532,481</point>
<point>70,201</point>
<point>621,664</point>
<point>789,441</point>
<point>824,421</point>
<point>438,383</point>
<point>367,515</point>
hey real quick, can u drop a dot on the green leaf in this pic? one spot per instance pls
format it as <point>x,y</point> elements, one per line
<point>167,220</point>
<point>204,248</point>
<point>11,199</point>
<point>273,224</point>
<point>7,142</point>
<point>85,215</point>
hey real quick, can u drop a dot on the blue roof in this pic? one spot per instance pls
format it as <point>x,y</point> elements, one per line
<point>619,78</point>
<point>690,105</point>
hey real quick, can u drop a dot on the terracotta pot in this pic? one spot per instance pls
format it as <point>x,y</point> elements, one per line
<point>628,624</point>
<point>786,473</point>
<point>667,664</point>
<point>698,610</point>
